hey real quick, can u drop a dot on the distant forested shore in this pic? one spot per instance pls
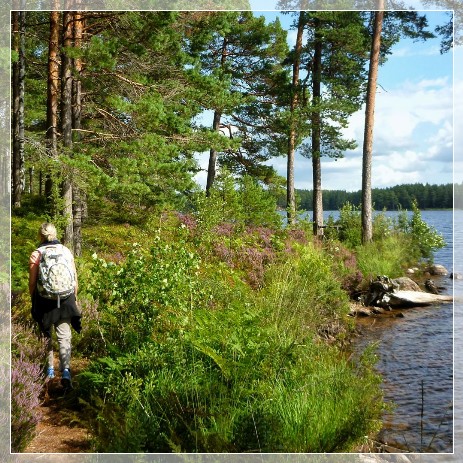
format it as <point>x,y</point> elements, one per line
<point>392,198</point>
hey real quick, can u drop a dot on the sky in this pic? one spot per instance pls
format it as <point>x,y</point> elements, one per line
<point>413,133</point>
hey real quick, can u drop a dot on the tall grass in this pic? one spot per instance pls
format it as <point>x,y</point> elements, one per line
<point>386,257</point>
<point>303,295</point>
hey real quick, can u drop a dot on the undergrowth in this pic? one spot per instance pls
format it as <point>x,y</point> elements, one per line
<point>208,332</point>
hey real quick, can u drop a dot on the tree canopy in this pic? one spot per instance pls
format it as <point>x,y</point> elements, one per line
<point>118,104</point>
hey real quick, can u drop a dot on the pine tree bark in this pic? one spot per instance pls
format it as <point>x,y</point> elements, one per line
<point>290,192</point>
<point>77,194</point>
<point>51,133</point>
<point>316,135</point>
<point>367,226</point>
<point>66,124</point>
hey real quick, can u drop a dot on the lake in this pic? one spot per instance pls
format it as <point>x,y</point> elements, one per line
<point>416,360</point>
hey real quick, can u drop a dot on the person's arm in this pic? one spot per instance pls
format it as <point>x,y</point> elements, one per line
<point>33,271</point>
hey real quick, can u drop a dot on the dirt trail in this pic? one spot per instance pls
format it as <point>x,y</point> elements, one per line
<point>60,430</point>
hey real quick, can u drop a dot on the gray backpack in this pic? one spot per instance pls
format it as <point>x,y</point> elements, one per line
<point>56,279</point>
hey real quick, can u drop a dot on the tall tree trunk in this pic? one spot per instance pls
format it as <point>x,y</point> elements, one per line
<point>290,193</point>
<point>51,133</point>
<point>18,171</point>
<point>211,170</point>
<point>316,135</point>
<point>66,123</point>
<point>367,226</point>
<point>15,184</point>
<point>77,194</point>
<point>30,188</point>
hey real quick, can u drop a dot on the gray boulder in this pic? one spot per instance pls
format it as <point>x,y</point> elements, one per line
<point>405,284</point>
<point>437,269</point>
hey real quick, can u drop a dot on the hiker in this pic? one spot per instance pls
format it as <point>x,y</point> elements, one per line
<point>53,289</point>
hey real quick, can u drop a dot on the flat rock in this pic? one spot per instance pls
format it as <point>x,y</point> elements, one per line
<point>416,298</point>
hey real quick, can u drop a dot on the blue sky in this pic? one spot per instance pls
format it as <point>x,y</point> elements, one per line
<point>413,136</point>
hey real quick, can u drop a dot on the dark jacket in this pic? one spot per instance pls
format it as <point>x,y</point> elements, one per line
<point>46,311</point>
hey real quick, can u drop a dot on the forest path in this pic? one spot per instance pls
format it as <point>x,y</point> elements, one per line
<point>60,429</point>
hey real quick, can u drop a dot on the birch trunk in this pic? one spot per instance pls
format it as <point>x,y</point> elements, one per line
<point>18,171</point>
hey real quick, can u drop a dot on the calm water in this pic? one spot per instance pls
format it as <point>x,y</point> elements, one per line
<point>416,360</point>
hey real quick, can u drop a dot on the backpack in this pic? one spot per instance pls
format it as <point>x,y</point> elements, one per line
<point>56,279</point>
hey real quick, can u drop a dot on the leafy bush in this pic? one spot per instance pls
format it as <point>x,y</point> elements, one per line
<point>424,238</point>
<point>151,288</point>
<point>350,223</point>
<point>23,241</point>
<point>243,203</point>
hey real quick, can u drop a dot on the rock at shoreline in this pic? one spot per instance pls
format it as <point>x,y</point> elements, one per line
<point>406,284</point>
<point>437,269</point>
<point>431,286</point>
<point>416,298</point>
<point>385,294</point>
<point>413,270</point>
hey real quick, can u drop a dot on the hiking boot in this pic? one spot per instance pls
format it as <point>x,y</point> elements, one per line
<point>66,379</point>
<point>50,373</point>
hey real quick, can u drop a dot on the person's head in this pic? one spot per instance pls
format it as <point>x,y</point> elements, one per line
<point>47,232</point>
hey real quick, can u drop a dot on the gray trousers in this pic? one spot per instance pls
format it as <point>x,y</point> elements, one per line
<point>63,334</point>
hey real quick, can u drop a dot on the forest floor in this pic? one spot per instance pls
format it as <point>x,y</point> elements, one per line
<point>60,430</point>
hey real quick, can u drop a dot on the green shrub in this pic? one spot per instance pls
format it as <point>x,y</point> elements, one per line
<point>209,365</point>
<point>350,222</point>
<point>424,238</point>
<point>23,241</point>
<point>151,288</point>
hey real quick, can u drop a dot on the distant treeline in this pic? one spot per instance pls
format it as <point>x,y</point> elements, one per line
<point>458,192</point>
<point>427,196</point>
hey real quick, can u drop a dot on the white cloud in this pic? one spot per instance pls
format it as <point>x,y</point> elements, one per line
<point>406,52</point>
<point>413,140</point>
<point>413,133</point>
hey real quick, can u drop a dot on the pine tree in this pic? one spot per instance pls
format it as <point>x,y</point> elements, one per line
<point>51,131</point>
<point>387,30</point>
<point>331,89</point>
<point>240,61</point>
<point>367,225</point>
<point>294,127</point>
<point>336,64</point>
